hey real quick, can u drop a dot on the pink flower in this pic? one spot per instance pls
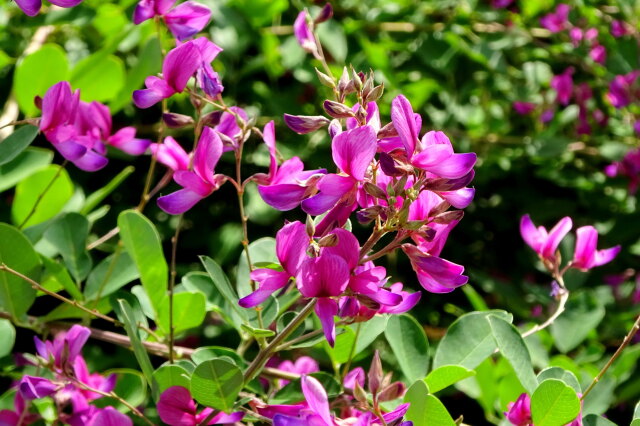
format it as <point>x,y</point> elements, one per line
<point>618,28</point>
<point>629,167</point>
<point>171,154</point>
<point>36,387</point>
<point>556,21</point>
<point>542,242</point>
<point>435,274</point>
<point>523,108</point>
<point>199,183</point>
<point>586,256</point>
<point>563,85</point>
<point>32,7</point>
<point>621,89</point>
<point>519,412</point>
<point>177,408</point>
<point>598,53</point>
<point>302,365</point>
<point>303,33</point>
<point>184,20</point>
<point>65,347</point>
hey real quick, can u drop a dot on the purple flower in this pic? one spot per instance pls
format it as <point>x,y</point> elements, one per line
<point>629,167</point>
<point>19,415</point>
<point>556,21</point>
<point>176,407</point>
<point>598,53</point>
<point>621,90</point>
<point>109,416</point>
<point>36,387</point>
<point>500,4</point>
<point>171,154</point>
<point>32,7</point>
<point>354,376</point>
<point>65,347</point>
<point>200,182</point>
<point>523,108</point>
<point>302,365</point>
<point>547,115</point>
<point>303,33</point>
<point>519,412</point>
<point>184,20</point>
<point>228,129</point>
<point>93,380</point>
<point>576,34</point>
<point>563,85</point>
<point>586,255</point>
<point>618,28</point>
<point>291,246</point>
<point>179,65</point>
<point>542,242</point>
<point>435,274</point>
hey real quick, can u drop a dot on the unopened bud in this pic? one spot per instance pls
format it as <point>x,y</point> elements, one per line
<point>344,80</point>
<point>357,80</point>
<point>337,110</point>
<point>375,94</point>
<point>414,225</point>
<point>313,250</point>
<point>359,393</point>
<point>302,124</point>
<point>212,119</point>
<point>388,165</point>
<point>325,80</point>
<point>310,226</point>
<point>368,214</point>
<point>399,186</point>
<point>368,302</point>
<point>393,391</point>
<point>448,217</point>
<point>330,240</point>
<point>388,131</point>
<point>361,114</point>
<point>375,374</point>
<point>325,14</point>
<point>374,191</point>
<point>176,121</point>
<point>368,86</point>
<point>440,208</point>
<point>335,128</point>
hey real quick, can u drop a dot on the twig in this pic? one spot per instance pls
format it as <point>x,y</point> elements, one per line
<point>37,286</point>
<point>42,194</point>
<point>562,301</point>
<point>106,237</point>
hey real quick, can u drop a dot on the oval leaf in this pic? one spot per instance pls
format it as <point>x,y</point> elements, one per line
<point>216,383</point>
<point>17,142</point>
<point>410,345</point>
<point>445,376</point>
<point>554,403</point>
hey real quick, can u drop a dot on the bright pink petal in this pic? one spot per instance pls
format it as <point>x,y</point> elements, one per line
<point>187,19</point>
<point>532,235</point>
<point>354,149</point>
<point>30,7</point>
<point>460,198</point>
<point>180,64</point>
<point>316,397</point>
<point>282,197</point>
<point>175,407</point>
<point>207,154</point>
<point>556,235</point>
<point>179,201</point>
<point>269,282</point>
<point>91,162</point>
<point>324,276</point>
<point>347,247</point>
<point>125,140</point>
<point>332,188</point>
<point>292,242</point>
<point>404,122</point>
<point>193,182</point>
<point>109,416</point>
<point>269,137</point>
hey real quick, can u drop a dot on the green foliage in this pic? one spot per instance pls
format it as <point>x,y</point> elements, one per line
<point>425,409</point>
<point>216,383</point>
<point>409,344</point>
<point>445,376</point>
<point>554,403</point>
<point>69,235</point>
<point>171,375</point>
<point>16,143</point>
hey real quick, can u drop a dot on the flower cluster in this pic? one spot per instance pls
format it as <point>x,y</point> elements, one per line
<point>32,7</point>
<point>71,384</point>
<point>80,131</point>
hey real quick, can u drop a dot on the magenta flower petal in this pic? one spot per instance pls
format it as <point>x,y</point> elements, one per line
<point>36,387</point>
<point>326,309</point>
<point>324,276</point>
<point>109,416</point>
<point>269,137</point>
<point>180,64</point>
<point>456,166</point>
<point>405,123</point>
<point>144,10</point>
<point>30,7</point>
<point>556,235</point>
<point>303,33</point>
<point>532,235</point>
<point>316,397</point>
<point>207,155</point>
<point>282,197</point>
<point>270,281</point>
<point>187,19</point>
<point>353,376</point>
<point>292,242</point>
<point>347,247</point>
<point>354,149</point>
<point>282,420</point>
<point>179,201</point>
<point>586,255</point>
<point>70,150</point>
<point>459,199</point>
<point>66,3</point>
<point>171,154</point>
<point>59,106</point>
<point>396,414</point>
<point>332,188</point>
<point>193,182</point>
<point>175,406</point>
<point>125,140</point>
<point>519,412</point>
<point>224,418</point>
<point>157,90</point>
<point>91,162</point>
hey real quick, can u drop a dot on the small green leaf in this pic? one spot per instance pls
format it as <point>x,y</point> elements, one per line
<point>127,316</point>
<point>110,275</point>
<point>223,285</point>
<point>425,409</point>
<point>258,332</point>
<point>595,420</point>
<point>31,191</point>
<point>17,142</point>
<point>24,165</point>
<point>216,384</point>
<point>54,272</point>
<point>36,73</point>
<point>445,376</point>
<point>8,333</point>
<point>343,346</point>
<point>512,347</point>
<point>369,331</point>
<point>207,353</point>
<point>468,341</point>
<point>188,312</point>
<point>565,376</point>
<point>96,197</point>
<point>69,236</point>
<point>554,403</point>
<point>16,295</point>
<point>171,375</point>
<point>583,313</point>
<point>142,242</point>
<point>99,77</point>
<point>409,344</point>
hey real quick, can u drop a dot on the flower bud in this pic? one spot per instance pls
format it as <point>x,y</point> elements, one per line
<point>388,131</point>
<point>337,110</point>
<point>448,217</point>
<point>335,128</point>
<point>357,80</point>
<point>302,124</point>
<point>398,187</point>
<point>368,214</point>
<point>344,80</point>
<point>375,94</point>
<point>359,393</point>
<point>310,226</point>
<point>176,121</point>
<point>393,391</point>
<point>414,225</point>
<point>330,240</point>
<point>375,374</point>
<point>325,80</point>
<point>212,119</point>
<point>374,191</point>
<point>325,14</point>
<point>440,208</point>
<point>388,165</point>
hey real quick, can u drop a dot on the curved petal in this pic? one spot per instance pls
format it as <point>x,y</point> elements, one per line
<point>270,281</point>
<point>187,19</point>
<point>125,140</point>
<point>456,166</point>
<point>556,235</point>
<point>66,3</point>
<point>332,188</point>
<point>179,201</point>
<point>193,182</point>
<point>180,64</point>
<point>269,138</point>
<point>30,7</point>
<point>282,197</point>
<point>432,155</point>
<point>207,155</point>
<point>176,407</point>
<point>144,10</point>
<point>586,244</point>
<point>606,255</point>
<point>90,162</point>
<point>353,150</point>
<point>460,198</point>
<point>292,242</point>
<point>405,124</point>
<point>316,396</point>
<point>324,276</point>
<point>326,309</point>
<point>532,235</point>
<point>109,416</point>
<point>347,247</point>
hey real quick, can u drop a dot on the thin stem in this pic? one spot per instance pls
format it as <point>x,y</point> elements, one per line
<point>36,286</point>
<point>299,339</point>
<point>106,237</point>
<point>42,194</point>
<point>387,249</point>
<point>373,239</point>
<point>115,396</point>
<point>172,283</point>
<point>625,343</point>
<point>264,354</point>
<point>562,298</point>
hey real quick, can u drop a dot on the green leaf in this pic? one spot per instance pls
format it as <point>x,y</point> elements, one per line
<point>196,281</point>
<point>25,164</point>
<point>17,142</point>
<point>343,346</point>
<point>284,320</point>
<point>127,316</point>
<point>469,340</point>
<point>36,73</point>
<point>171,375</point>
<point>425,409</point>
<point>98,196</point>
<point>223,285</point>
<point>554,403</point>
<point>16,295</point>
<point>583,313</point>
<point>595,420</point>
<point>445,376</point>
<point>130,386</point>
<point>66,311</point>
<point>188,312</point>
<point>110,275</point>
<point>409,344</point>
<point>566,376</point>
<point>292,391</point>
<point>99,77</point>
<point>58,274</point>
<point>258,332</point>
<point>59,189</point>
<point>8,333</point>
<point>512,347</point>
<point>69,236</point>
<point>207,353</point>
<point>142,242</point>
<point>216,384</point>
<point>369,331</point>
